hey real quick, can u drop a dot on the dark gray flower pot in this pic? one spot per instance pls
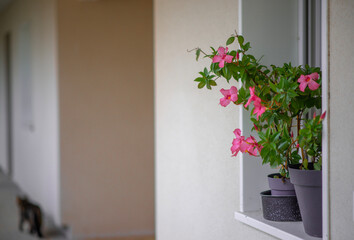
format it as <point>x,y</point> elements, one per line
<point>279,186</point>
<point>280,208</point>
<point>308,188</point>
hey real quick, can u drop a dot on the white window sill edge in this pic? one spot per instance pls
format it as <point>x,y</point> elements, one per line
<point>282,230</point>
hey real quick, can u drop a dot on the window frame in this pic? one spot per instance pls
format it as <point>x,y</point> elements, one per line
<point>247,214</point>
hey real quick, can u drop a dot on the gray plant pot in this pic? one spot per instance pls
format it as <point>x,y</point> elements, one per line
<point>279,186</point>
<point>308,188</point>
<point>280,208</point>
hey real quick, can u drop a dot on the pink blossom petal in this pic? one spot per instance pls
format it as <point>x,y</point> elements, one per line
<point>252,151</point>
<point>224,101</point>
<point>234,97</point>
<point>237,132</point>
<point>228,58</point>
<point>260,112</point>
<point>235,145</point>
<point>217,58</point>
<point>258,108</point>
<point>221,64</point>
<point>244,146</point>
<point>224,92</point>
<point>252,89</point>
<point>233,92</point>
<point>303,86</point>
<point>222,51</point>
<point>248,102</point>
<point>252,146</point>
<point>313,85</point>
<point>314,76</point>
<point>301,79</point>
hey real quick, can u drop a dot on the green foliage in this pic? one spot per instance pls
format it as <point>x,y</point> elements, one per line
<point>310,139</point>
<point>230,40</point>
<point>206,79</point>
<point>285,105</point>
<point>197,53</point>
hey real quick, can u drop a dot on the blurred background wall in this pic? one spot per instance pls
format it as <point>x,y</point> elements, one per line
<point>31,25</point>
<point>106,116</point>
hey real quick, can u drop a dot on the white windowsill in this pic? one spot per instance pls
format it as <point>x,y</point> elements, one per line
<point>282,230</point>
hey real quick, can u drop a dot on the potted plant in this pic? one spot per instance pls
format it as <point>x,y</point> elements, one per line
<point>307,176</point>
<point>278,98</point>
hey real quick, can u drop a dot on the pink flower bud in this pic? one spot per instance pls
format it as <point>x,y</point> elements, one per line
<point>314,115</point>
<point>323,115</point>
<point>297,145</point>
<point>255,127</point>
<point>237,56</point>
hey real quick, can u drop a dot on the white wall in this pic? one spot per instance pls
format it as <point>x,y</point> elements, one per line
<point>197,182</point>
<point>341,101</point>
<point>35,155</point>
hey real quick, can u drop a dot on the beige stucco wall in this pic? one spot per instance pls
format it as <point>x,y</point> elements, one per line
<point>197,187</point>
<point>106,116</point>
<point>32,25</point>
<point>341,62</point>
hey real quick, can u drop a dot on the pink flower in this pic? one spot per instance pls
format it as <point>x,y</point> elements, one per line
<point>253,146</point>
<point>249,145</point>
<point>253,97</point>
<point>323,115</point>
<point>222,57</point>
<point>259,109</point>
<point>229,95</point>
<point>308,80</point>
<point>297,145</point>
<point>239,143</point>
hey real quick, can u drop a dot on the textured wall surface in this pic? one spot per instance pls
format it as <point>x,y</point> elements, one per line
<point>341,62</point>
<point>197,182</point>
<point>106,114</point>
<point>32,25</point>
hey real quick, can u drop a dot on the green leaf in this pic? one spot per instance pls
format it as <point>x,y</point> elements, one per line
<point>200,79</point>
<point>230,40</point>
<point>305,163</point>
<point>273,87</point>
<point>247,46</point>
<point>201,85</point>
<point>283,145</point>
<point>317,166</point>
<point>197,53</point>
<point>212,83</point>
<point>262,136</point>
<point>240,40</point>
<point>206,73</point>
<point>276,136</point>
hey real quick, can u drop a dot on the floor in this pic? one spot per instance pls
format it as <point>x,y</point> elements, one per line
<point>125,238</point>
<point>9,217</point>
